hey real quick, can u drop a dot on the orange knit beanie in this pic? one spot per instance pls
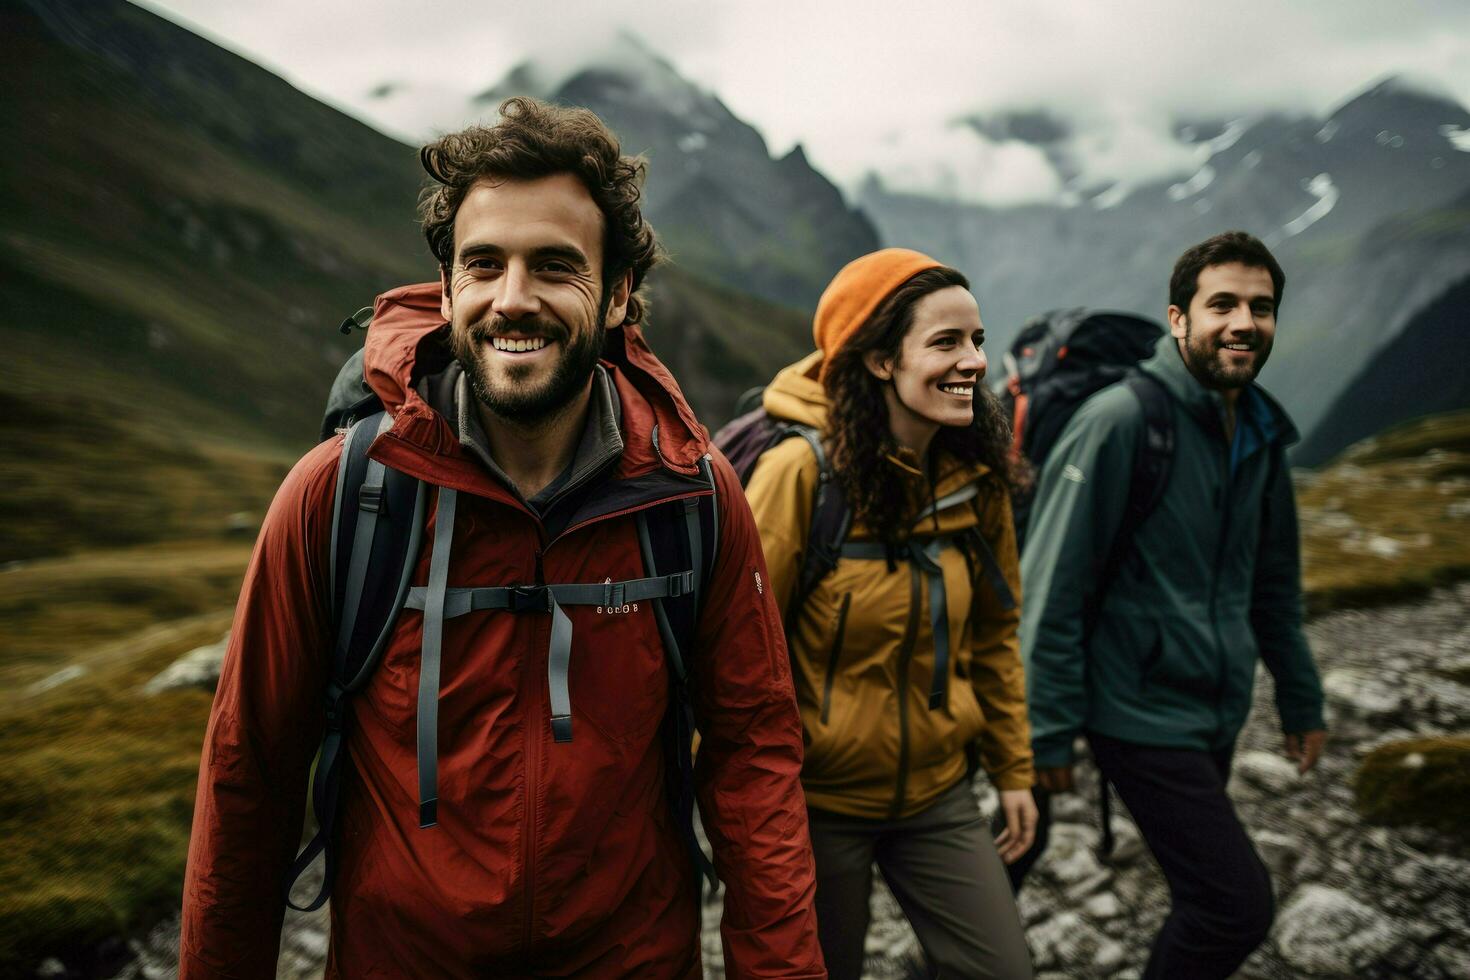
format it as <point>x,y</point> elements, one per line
<point>855,292</point>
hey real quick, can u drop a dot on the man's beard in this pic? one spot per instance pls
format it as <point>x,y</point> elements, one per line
<point>1204,360</point>
<point>516,402</point>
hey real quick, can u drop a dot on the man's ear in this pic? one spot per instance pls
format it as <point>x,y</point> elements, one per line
<point>878,366</point>
<point>446,305</point>
<point>1178,322</point>
<point>617,307</point>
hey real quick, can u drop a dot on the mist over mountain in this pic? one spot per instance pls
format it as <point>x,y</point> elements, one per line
<point>1366,208</point>
<point>722,205</point>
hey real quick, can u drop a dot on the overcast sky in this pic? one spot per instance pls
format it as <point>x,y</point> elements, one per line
<point>878,86</point>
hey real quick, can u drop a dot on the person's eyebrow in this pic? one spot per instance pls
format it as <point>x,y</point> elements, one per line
<point>567,253</point>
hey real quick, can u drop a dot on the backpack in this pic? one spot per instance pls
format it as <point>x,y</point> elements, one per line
<point>1058,361</point>
<point>746,438</point>
<point>377,533</point>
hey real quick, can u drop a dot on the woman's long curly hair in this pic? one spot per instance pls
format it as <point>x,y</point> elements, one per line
<point>858,432</point>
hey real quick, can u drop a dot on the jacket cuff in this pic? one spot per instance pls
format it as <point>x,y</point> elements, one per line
<point>1018,779</point>
<point>1295,720</point>
<point>1053,751</point>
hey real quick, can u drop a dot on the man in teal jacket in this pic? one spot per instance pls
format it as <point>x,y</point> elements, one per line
<point>1155,666</point>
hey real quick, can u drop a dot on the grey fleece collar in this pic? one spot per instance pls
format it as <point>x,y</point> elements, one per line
<point>601,442</point>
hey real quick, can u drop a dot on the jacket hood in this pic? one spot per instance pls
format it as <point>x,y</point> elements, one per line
<point>1168,367</point>
<point>796,395</point>
<point>408,340</point>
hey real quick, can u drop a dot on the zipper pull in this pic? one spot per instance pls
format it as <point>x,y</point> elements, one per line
<point>540,574</point>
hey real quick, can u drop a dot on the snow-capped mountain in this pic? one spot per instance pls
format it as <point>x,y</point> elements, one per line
<point>1366,209</point>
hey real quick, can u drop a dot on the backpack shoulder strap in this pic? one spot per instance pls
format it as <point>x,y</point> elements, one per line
<point>377,526</point>
<point>683,534</point>
<point>1153,462</point>
<point>831,520</point>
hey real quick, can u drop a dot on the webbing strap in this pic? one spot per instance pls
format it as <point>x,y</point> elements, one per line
<point>993,574</point>
<point>428,711</point>
<point>558,672</point>
<point>324,790</point>
<point>362,541</point>
<point>925,557</point>
<point>449,603</point>
<point>683,716</point>
<point>538,598</point>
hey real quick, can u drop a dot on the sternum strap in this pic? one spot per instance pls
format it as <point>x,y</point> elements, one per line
<point>926,558</point>
<point>439,602</point>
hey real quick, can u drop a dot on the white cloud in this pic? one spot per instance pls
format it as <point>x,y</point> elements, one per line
<point>839,75</point>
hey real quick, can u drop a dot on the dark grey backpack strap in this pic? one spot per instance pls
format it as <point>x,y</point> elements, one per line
<point>361,498</point>
<point>429,659</point>
<point>831,520</point>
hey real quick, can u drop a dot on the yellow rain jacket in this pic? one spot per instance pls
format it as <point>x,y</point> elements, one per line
<point>863,646</point>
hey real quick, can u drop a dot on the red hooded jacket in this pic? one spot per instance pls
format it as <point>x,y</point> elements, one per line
<point>549,858</point>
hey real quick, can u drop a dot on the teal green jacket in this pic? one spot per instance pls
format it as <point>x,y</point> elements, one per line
<point>1212,582</point>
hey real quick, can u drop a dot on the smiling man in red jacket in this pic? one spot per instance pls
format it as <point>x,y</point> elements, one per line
<point>537,407</point>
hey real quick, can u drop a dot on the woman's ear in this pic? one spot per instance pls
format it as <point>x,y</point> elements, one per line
<point>878,366</point>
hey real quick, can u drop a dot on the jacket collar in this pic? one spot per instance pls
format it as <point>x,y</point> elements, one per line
<point>1167,366</point>
<point>408,340</point>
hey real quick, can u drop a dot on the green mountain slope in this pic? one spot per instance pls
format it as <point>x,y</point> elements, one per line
<point>179,232</point>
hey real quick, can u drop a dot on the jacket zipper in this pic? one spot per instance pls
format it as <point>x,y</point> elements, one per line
<point>905,658</point>
<point>535,727</point>
<point>1228,485</point>
<point>832,657</point>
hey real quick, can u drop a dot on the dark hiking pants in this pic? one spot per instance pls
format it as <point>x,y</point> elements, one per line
<point>942,867</point>
<point>1222,900</point>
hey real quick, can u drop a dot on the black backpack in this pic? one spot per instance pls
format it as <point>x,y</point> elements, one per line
<point>377,534</point>
<point>1058,361</point>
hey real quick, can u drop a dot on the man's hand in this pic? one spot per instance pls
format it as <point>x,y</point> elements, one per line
<point>1058,780</point>
<point>1020,812</point>
<point>1305,748</point>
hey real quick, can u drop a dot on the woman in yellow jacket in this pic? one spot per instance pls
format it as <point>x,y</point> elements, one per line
<point>905,655</point>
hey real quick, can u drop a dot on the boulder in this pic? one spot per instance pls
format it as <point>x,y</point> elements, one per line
<point>1422,781</point>
<point>1326,932</point>
<point>197,668</point>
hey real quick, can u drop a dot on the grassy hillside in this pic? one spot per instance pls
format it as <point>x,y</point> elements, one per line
<point>1391,516</point>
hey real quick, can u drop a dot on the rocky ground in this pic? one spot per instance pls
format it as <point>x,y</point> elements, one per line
<point>1353,900</point>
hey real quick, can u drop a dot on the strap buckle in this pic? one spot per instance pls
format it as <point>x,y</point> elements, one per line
<point>530,598</point>
<point>370,497</point>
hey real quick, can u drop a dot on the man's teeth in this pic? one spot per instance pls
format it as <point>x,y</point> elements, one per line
<point>958,389</point>
<point>1238,347</point>
<point>508,344</point>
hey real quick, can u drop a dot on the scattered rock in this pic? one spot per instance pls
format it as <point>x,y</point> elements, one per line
<point>1280,852</point>
<point>1065,942</point>
<point>1362,694</point>
<point>1267,771</point>
<point>1325,932</point>
<point>1071,856</point>
<point>1103,906</point>
<point>197,668</point>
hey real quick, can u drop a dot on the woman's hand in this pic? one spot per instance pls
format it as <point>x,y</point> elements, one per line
<point>1020,813</point>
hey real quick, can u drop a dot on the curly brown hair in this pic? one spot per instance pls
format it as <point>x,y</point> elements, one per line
<point>857,422</point>
<point>536,139</point>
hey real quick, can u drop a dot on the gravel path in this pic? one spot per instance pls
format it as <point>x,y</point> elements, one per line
<point>1353,900</point>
